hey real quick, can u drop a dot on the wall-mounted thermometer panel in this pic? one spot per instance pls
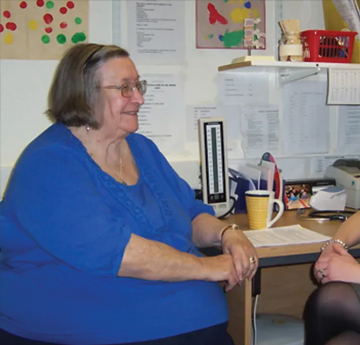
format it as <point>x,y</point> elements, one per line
<point>213,162</point>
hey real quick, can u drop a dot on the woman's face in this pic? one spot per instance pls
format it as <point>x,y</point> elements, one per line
<point>119,113</point>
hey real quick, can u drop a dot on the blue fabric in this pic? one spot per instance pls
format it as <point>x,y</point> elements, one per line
<point>64,227</point>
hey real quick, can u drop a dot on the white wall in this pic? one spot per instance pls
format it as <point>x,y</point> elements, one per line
<point>24,84</point>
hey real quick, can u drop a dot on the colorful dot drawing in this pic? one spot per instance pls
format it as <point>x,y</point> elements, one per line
<point>78,37</point>
<point>49,5</point>
<point>45,39</point>
<point>11,26</point>
<point>61,38</point>
<point>9,38</point>
<point>33,25</point>
<point>23,4</point>
<point>28,25</point>
<point>48,18</point>
<point>70,5</point>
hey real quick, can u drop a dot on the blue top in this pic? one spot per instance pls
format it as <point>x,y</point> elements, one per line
<point>64,226</point>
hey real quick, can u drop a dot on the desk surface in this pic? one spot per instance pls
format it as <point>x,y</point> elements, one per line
<point>292,254</point>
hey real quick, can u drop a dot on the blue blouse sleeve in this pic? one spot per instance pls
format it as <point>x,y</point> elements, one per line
<point>56,203</point>
<point>180,186</point>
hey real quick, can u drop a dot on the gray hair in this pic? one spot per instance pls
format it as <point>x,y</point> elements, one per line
<point>73,92</point>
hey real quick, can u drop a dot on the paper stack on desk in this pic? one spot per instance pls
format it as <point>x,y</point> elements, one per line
<point>285,235</point>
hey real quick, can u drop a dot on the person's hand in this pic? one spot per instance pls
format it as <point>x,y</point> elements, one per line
<point>220,268</point>
<point>336,264</point>
<point>243,253</point>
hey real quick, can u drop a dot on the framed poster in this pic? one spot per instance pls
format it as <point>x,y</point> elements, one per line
<point>221,24</point>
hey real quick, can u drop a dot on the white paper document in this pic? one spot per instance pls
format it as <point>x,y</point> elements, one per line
<point>285,235</point>
<point>243,88</point>
<point>344,86</point>
<point>305,119</point>
<point>318,165</point>
<point>156,31</point>
<point>161,118</point>
<point>259,130</point>
<point>348,130</point>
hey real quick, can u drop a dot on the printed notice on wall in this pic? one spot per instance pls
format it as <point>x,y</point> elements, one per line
<point>306,118</point>
<point>243,88</point>
<point>348,130</point>
<point>259,130</point>
<point>161,117</point>
<point>156,31</point>
<point>344,86</point>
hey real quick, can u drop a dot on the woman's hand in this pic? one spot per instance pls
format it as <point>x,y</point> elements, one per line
<point>220,268</point>
<point>243,253</point>
<point>336,264</point>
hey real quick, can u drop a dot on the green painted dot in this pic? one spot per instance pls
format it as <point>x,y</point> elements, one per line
<point>78,37</point>
<point>49,5</point>
<point>61,38</point>
<point>78,20</point>
<point>45,39</point>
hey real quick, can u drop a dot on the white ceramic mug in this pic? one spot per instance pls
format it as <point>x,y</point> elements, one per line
<point>260,205</point>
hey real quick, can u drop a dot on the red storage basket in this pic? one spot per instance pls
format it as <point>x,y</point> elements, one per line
<point>328,46</point>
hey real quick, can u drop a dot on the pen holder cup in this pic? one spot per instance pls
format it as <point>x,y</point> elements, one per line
<point>260,205</point>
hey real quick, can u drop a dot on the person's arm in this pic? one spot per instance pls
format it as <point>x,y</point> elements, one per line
<point>349,234</point>
<point>152,260</point>
<point>207,231</point>
<point>349,231</point>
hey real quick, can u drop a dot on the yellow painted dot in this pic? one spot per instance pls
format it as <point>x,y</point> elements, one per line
<point>239,14</point>
<point>8,38</point>
<point>33,25</point>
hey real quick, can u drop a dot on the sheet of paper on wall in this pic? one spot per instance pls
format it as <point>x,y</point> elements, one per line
<point>305,127</point>
<point>243,88</point>
<point>286,165</point>
<point>318,165</point>
<point>285,235</point>
<point>152,27</point>
<point>344,86</point>
<point>348,130</point>
<point>259,127</point>
<point>161,118</point>
<point>232,124</point>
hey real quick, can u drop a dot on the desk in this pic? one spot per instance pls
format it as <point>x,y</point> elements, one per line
<point>278,260</point>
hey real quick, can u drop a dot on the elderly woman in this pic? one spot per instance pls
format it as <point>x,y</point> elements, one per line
<point>332,313</point>
<point>99,235</point>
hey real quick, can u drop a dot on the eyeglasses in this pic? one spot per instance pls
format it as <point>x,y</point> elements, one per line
<point>127,90</point>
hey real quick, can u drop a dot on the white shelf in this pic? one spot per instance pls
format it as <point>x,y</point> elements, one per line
<point>287,71</point>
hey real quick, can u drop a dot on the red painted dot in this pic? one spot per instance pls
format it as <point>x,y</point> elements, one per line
<point>40,3</point>
<point>11,26</point>
<point>63,10</point>
<point>63,25</point>
<point>48,18</point>
<point>23,4</point>
<point>1,28</point>
<point>6,14</point>
<point>48,30</point>
<point>70,5</point>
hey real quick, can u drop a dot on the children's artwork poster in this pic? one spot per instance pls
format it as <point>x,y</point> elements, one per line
<point>225,24</point>
<point>41,29</point>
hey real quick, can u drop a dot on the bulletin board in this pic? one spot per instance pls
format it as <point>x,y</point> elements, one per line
<point>41,29</point>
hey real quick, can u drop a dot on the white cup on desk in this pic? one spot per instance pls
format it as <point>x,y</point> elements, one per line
<point>260,206</point>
